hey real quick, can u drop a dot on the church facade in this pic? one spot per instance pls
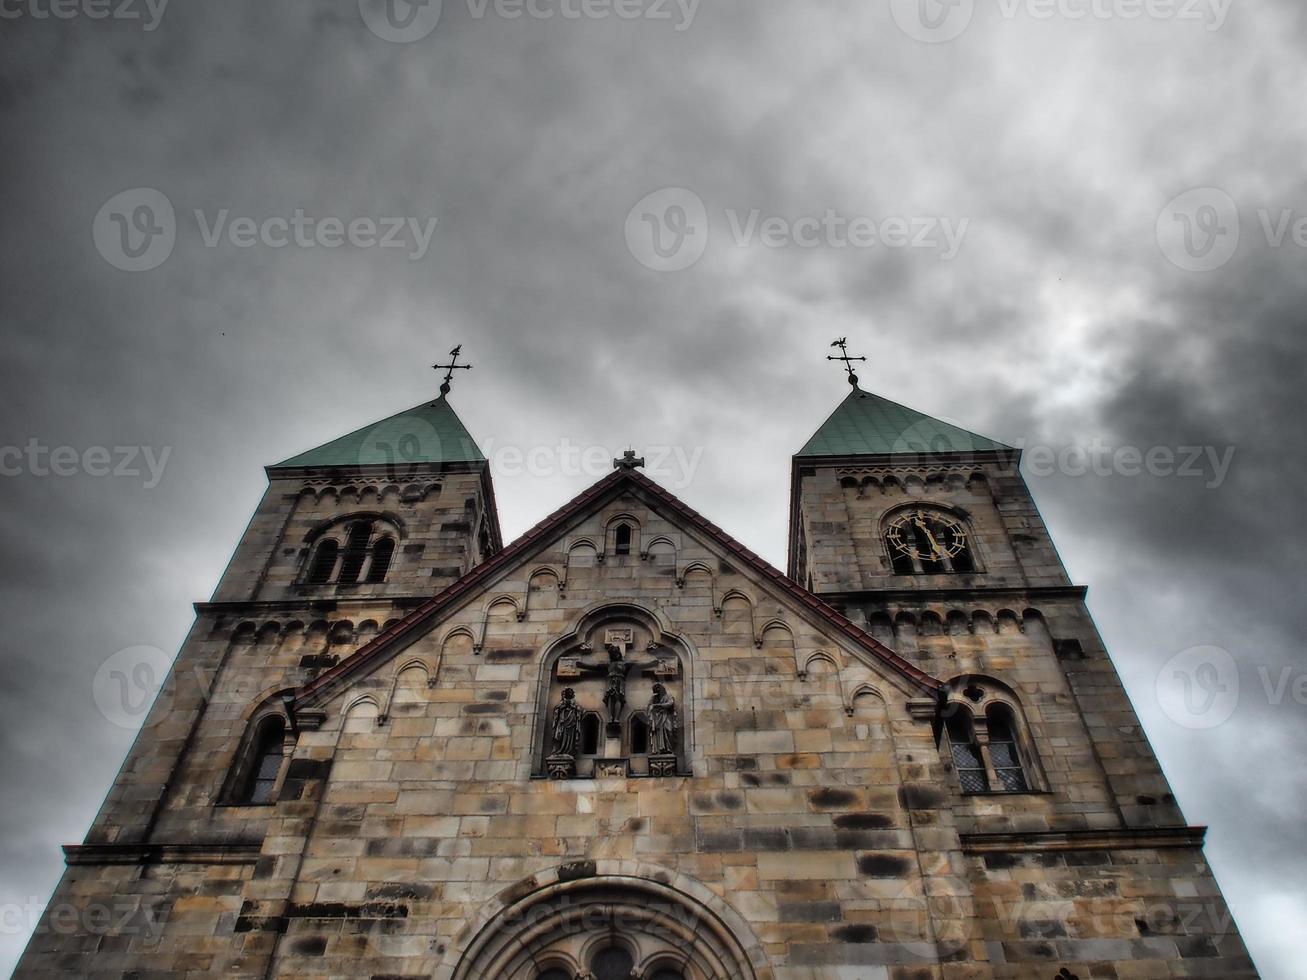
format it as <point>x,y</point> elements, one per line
<point>623,746</point>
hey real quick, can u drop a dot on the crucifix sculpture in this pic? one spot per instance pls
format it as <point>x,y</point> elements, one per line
<point>450,368</point>
<point>616,670</point>
<point>843,345</point>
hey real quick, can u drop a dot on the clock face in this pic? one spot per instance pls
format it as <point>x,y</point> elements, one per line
<point>927,536</point>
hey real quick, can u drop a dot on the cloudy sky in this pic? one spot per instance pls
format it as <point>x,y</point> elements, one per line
<point>1097,254</point>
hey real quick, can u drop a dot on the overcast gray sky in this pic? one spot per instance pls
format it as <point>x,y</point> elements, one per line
<point>1096,254</point>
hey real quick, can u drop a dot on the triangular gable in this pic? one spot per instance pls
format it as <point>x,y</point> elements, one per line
<point>325,684</point>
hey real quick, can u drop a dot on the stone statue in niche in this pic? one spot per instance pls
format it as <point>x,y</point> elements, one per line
<point>616,671</point>
<point>567,725</point>
<point>662,722</point>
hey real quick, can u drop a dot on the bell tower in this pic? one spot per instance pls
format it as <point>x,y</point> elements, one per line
<point>926,535</point>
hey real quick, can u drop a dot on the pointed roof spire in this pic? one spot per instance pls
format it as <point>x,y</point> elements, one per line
<point>427,433</point>
<point>430,433</point>
<point>870,425</point>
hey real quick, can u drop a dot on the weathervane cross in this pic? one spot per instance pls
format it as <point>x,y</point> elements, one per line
<point>843,345</point>
<point>450,368</point>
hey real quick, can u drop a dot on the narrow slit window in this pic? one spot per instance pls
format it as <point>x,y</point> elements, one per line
<point>324,563</point>
<point>639,735</point>
<point>356,552</point>
<point>622,539</point>
<point>382,553</point>
<point>590,734</point>
<point>1004,752</point>
<point>967,760</point>
<point>265,765</point>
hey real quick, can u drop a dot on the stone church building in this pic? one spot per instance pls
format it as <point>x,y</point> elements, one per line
<point>624,746</point>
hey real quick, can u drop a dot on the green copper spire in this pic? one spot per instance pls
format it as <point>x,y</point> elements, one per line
<point>427,433</point>
<point>869,425</point>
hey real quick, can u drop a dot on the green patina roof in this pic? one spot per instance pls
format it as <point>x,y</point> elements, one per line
<point>427,433</point>
<point>869,425</point>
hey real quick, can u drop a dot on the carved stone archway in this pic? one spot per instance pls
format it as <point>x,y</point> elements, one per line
<point>565,918</point>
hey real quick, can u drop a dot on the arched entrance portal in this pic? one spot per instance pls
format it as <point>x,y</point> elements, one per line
<point>605,927</point>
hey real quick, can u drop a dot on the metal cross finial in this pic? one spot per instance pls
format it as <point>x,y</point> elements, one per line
<point>628,461</point>
<point>450,368</point>
<point>843,345</point>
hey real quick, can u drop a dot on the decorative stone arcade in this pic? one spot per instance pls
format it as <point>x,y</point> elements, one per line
<point>613,704</point>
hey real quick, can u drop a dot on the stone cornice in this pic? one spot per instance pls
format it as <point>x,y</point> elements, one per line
<point>1135,838</point>
<point>1074,592</point>
<point>247,606</point>
<point>211,853</point>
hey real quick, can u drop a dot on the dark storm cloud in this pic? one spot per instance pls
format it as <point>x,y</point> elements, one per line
<point>1059,322</point>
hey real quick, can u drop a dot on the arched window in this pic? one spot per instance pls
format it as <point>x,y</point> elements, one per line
<point>668,973</point>
<point>965,751</point>
<point>613,963</point>
<point>639,735</point>
<point>1004,752</point>
<point>622,539</point>
<point>356,551</point>
<point>366,555</point>
<point>926,541</point>
<point>324,563</point>
<point>590,726</point>
<point>264,763</point>
<point>554,973</point>
<point>382,552</point>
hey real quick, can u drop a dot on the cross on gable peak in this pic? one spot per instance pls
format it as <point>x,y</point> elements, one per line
<point>628,461</point>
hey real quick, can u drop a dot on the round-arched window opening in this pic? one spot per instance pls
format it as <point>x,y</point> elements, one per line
<point>554,973</point>
<point>613,963</point>
<point>667,973</point>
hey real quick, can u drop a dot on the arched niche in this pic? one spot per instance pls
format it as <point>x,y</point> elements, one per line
<point>621,666</point>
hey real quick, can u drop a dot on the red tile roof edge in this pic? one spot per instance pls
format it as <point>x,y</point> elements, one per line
<point>324,683</point>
